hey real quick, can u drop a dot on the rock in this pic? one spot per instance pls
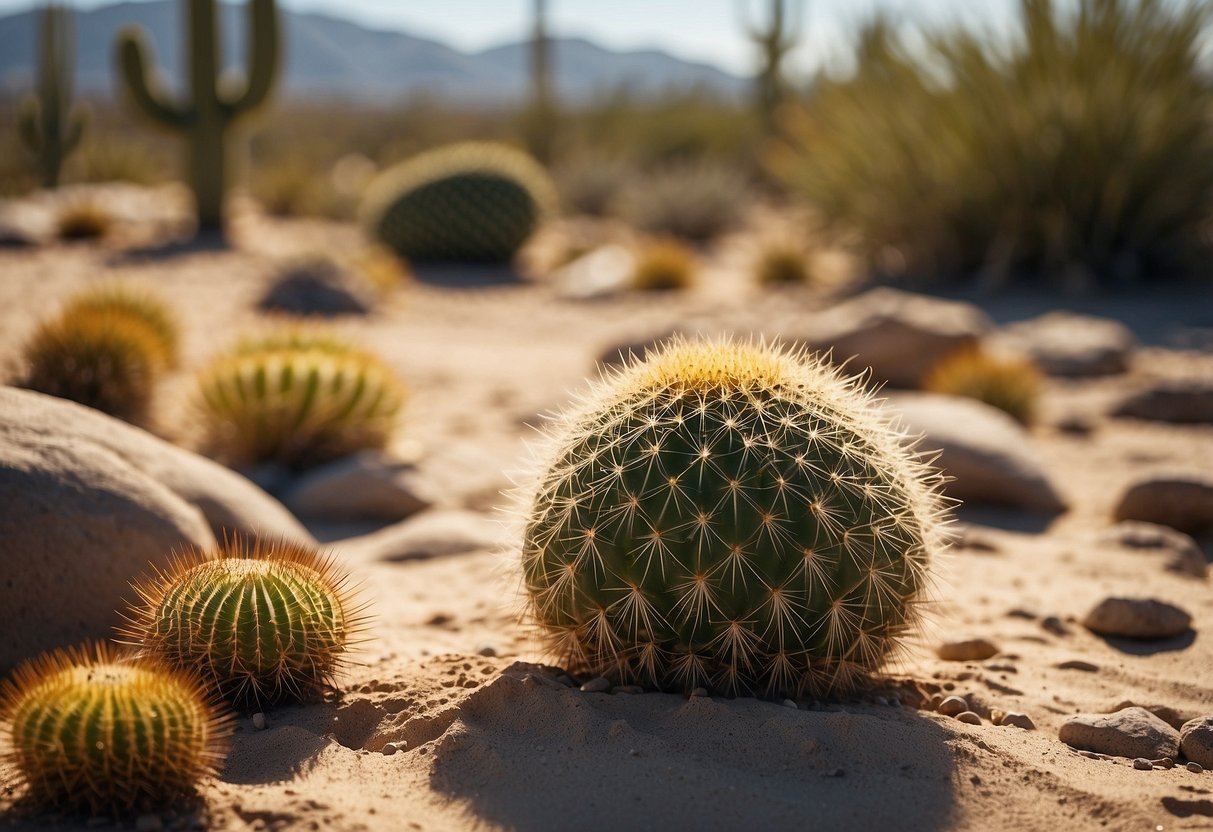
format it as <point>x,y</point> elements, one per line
<point>1164,712</point>
<point>1142,764</point>
<point>259,721</point>
<point>967,650</point>
<point>429,535</point>
<point>987,454</point>
<point>1163,762</point>
<point>1183,401</point>
<point>698,692</point>
<point>228,501</point>
<point>1195,768</point>
<point>1077,664</point>
<point>1182,500</point>
<point>953,705</point>
<point>1053,624</point>
<point>968,717</point>
<point>596,685</point>
<point>1018,720</point>
<point>1069,345</point>
<point>486,650</point>
<point>317,286</point>
<point>364,486</point>
<point>1141,618</point>
<point>1181,553</point>
<point>603,272</point>
<point>898,336</point>
<point>1196,740</point>
<point>1132,732</point>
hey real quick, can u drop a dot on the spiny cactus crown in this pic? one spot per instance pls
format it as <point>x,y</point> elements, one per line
<point>139,307</point>
<point>261,621</point>
<point>102,730</point>
<point>732,516</point>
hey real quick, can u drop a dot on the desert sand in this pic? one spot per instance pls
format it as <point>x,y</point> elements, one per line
<point>447,717</point>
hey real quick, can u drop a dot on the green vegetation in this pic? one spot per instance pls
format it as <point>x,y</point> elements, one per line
<point>50,127</point>
<point>696,201</point>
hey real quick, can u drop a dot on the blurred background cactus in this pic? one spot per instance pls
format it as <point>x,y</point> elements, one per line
<point>540,117</point>
<point>664,265</point>
<point>1012,385</point>
<point>773,39</point>
<point>206,119</point>
<point>50,126</point>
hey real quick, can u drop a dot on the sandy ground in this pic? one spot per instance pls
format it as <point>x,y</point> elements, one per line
<point>498,741</point>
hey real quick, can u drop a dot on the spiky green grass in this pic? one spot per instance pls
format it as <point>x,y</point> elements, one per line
<point>101,730</point>
<point>261,621</point>
<point>730,516</point>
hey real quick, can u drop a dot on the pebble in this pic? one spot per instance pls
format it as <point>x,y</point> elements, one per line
<point>1132,732</point>
<point>967,650</point>
<point>1195,768</point>
<point>487,650</point>
<point>1142,764</point>
<point>1077,664</point>
<point>1019,720</point>
<point>1142,618</point>
<point>148,823</point>
<point>259,721</point>
<point>390,748</point>
<point>599,685</point>
<point>1196,739</point>
<point>1163,762</point>
<point>788,703</point>
<point>1054,625</point>
<point>953,705</point>
<point>699,692</point>
<point>969,718</point>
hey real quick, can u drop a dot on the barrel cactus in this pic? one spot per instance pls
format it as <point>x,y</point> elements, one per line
<point>731,516</point>
<point>470,202</point>
<point>105,731</point>
<point>261,621</point>
<point>299,398</point>
<point>139,308</point>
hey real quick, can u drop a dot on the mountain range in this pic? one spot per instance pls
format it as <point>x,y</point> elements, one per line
<point>327,56</point>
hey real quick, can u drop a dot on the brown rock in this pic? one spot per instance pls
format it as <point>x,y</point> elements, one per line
<point>1182,401</point>
<point>968,717</point>
<point>967,650</point>
<point>953,705</point>
<point>1069,345</point>
<point>1182,500</point>
<point>1196,740</point>
<point>1133,732</point>
<point>1141,618</point>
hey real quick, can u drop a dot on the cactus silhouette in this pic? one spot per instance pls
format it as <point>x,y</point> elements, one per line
<point>205,120</point>
<point>774,41</point>
<point>260,620</point>
<point>731,516</point>
<point>48,124</point>
<point>101,730</point>
<point>539,121</point>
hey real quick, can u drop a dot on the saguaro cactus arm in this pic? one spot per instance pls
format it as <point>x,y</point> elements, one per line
<point>145,88</point>
<point>263,54</point>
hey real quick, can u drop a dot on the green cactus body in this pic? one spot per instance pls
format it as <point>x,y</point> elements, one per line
<point>472,202</point>
<point>206,119</point>
<point>732,517</point>
<point>48,124</point>
<point>299,399</point>
<point>94,729</point>
<point>262,622</point>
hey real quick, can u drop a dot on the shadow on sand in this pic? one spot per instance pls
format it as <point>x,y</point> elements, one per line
<point>200,243</point>
<point>1135,647</point>
<point>466,275</point>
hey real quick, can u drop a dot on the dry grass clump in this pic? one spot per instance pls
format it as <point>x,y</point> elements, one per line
<point>664,265</point>
<point>1011,385</point>
<point>781,263</point>
<point>694,201</point>
<point>83,219</point>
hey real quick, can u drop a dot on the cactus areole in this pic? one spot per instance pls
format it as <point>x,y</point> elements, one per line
<point>729,516</point>
<point>205,119</point>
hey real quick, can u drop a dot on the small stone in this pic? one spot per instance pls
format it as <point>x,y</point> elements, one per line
<point>1196,739</point>
<point>967,650</point>
<point>953,705</point>
<point>969,718</point>
<point>1142,764</point>
<point>1054,625</point>
<point>1163,762</point>
<point>259,721</point>
<point>1077,664</point>
<point>148,823</point>
<point>788,703</point>
<point>1141,618</point>
<point>1195,768</point>
<point>1132,732</point>
<point>486,650</point>
<point>1182,500</point>
<point>1090,755</point>
<point>935,701</point>
<point>389,749</point>
<point>632,752</point>
<point>1019,721</point>
<point>599,685</point>
<point>699,692</point>
<point>834,772</point>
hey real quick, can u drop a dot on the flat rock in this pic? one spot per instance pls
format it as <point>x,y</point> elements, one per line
<point>1141,618</point>
<point>1166,713</point>
<point>317,286</point>
<point>1182,500</point>
<point>428,535</point>
<point>898,336</point>
<point>1196,741</point>
<point>967,650</point>
<point>1069,345</point>
<point>82,520</point>
<point>1180,552</point>
<point>987,455</point>
<point>1132,732</point>
<point>601,273</point>
<point>1183,401</point>
<point>364,486</point>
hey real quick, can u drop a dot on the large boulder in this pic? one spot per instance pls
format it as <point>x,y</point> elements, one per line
<point>1182,401</point>
<point>1075,346</point>
<point>899,336</point>
<point>987,456</point>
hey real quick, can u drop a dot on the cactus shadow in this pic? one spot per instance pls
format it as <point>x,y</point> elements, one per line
<point>200,243</point>
<point>466,275</point>
<point>1134,647</point>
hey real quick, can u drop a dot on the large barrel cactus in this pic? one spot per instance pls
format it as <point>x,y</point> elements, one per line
<point>471,202</point>
<point>729,516</point>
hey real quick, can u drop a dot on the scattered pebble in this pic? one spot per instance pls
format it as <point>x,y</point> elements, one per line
<point>1020,612</point>
<point>1077,664</point>
<point>391,748</point>
<point>788,703</point>
<point>1163,762</point>
<point>148,823</point>
<point>1143,618</point>
<point>699,692</point>
<point>259,721</point>
<point>834,772</point>
<point>1195,768</point>
<point>1132,732</point>
<point>967,650</point>
<point>632,752</point>
<point>1054,625</point>
<point>969,718</point>
<point>1142,764</point>
<point>599,685</point>
<point>1196,739</point>
<point>953,705</point>
<point>487,650</point>
<point>1019,721</point>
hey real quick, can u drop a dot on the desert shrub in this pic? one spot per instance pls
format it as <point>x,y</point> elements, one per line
<point>1011,385</point>
<point>1080,145</point>
<point>664,265</point>
<point>110,158</point>
<point>696,200</point>
<point>781,263</point>
<point>589,183</point>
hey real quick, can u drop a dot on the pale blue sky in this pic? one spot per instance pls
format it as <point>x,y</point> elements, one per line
<point>707,30</point>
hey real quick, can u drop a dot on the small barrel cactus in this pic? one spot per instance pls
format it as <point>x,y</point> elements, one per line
<point>298,398</point>
<point>140,308</point>
<point>105,731</point>
<point>470,202</point>
<point>729,516</point>
<point>1010,384</point>
<point>261,621</point>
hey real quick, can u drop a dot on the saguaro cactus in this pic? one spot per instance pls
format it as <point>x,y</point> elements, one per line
<point>205,121</point>
<point>49,125</point>
<point>774,42</point>
<point>540,118</point>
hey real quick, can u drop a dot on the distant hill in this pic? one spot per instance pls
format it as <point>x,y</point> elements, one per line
<point>328,56</point>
